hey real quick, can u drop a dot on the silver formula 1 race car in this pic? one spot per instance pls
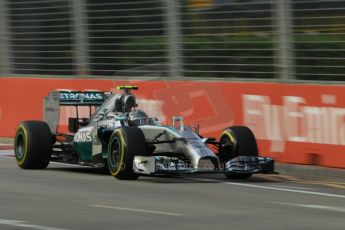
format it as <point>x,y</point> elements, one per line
<point>119,137</point>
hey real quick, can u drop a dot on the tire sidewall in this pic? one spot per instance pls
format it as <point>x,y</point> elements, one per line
<point>243,143</point>
<point>116,139</point>
<point>132,142</point>
<point>21,145</point>
<point>242,140</point>
<point>33,145</point>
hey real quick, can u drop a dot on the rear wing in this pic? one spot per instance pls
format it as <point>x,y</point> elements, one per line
<point>76,98</point>
<point>57,98</point>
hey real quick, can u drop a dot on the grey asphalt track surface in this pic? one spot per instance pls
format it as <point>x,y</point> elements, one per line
<point>69,197</point>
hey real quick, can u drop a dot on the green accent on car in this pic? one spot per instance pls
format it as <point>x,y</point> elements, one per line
<point>84,150</point>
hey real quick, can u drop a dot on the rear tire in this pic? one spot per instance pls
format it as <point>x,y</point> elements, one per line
<point>33,145</point>
<point>124,144</point>
<point>243,143</point>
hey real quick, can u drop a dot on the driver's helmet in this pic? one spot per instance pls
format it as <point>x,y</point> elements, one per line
<point>138,117</point>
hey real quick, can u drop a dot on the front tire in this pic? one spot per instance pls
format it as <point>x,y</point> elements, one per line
<point>33,145</point>
<point>241,142</point>
<point>124,144</point>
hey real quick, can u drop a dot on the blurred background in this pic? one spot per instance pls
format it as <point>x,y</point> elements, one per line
<point>273,40</point>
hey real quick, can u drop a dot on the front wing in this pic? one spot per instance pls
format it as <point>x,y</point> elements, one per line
<point>163,165</point>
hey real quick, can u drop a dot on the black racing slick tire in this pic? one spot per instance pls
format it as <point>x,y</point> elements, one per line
<point>124,144</point>
<point>33,145</point>
<point>242,142</point>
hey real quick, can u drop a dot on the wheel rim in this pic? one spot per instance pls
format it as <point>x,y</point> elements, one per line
<point>115,153</point>
<point>20,146</point>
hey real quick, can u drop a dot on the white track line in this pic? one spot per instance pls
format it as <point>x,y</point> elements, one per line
<point>10,155</point>
<point>321,207</point>
<point>6,153</point>
<point>136,210</point>
<point>287,190</point>
<point>6,157</point>
<point>293,187</point>
<point>23,224</point>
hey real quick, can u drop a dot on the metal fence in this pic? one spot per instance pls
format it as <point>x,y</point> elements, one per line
<point>246,39</point>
